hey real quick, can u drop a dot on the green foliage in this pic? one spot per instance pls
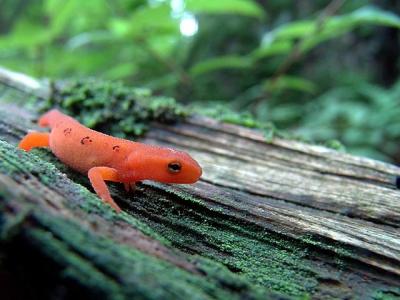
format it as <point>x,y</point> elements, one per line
<point>313,32</point>
<point>218,63</point>
<point>284,83</point>
<point>141,23</point>
<point>140,35</point>
<point>365,116</point>
<point>285,38</point>
<point>239,7</point>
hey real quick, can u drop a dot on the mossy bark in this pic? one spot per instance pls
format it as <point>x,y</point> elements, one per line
<point>268,220</point>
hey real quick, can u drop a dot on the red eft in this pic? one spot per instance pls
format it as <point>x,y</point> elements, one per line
<point>106,158</point>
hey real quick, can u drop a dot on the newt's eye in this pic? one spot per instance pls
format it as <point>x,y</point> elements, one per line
<point>174,167</point>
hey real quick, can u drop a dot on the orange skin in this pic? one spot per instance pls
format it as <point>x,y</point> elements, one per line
<point>106,158</point>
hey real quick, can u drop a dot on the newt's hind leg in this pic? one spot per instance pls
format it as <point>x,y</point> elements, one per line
<point>97,176</point>
<point>34,140</point>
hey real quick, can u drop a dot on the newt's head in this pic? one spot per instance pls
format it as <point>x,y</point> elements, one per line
<point>164,165</point>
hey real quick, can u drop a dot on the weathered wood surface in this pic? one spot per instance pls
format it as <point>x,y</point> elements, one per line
<point>283,217</point>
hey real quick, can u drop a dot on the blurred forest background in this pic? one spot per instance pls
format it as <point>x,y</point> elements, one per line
<point>320,69</point>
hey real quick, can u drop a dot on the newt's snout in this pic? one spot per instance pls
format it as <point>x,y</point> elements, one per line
<point>193,172</point>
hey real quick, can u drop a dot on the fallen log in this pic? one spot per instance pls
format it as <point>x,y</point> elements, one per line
<point>267,220</point>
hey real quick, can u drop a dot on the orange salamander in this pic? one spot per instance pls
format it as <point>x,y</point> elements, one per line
<point>106,158</point>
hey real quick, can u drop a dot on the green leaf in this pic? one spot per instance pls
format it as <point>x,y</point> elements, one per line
<point>239,7</point>
<point>375,16</point>
<point>61,13</point>
<point>121,71</point>
<point>163,44</point>
<point>295,30</point>
<point>89,38</point>
<point>340,25</point>
<point>282,39</point>
<point>25,35</point>
<point>146,21</point>
<point>289,83</point>
<point>119,27</point>
<point>279,47</point>
<point>221,62</point>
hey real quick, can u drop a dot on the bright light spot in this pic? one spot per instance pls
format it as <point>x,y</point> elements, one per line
<point>188,25</point>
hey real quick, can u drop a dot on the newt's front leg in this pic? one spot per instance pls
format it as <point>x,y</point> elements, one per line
<point>33,140</point>
<point>97,177</point>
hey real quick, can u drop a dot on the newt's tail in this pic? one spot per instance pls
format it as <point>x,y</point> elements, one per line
<point>50,118</point>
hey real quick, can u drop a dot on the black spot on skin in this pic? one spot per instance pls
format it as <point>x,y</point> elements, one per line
<point>67,131</point>
<point>86,140</point>
<point>116,148</point>
<point>398,182</point>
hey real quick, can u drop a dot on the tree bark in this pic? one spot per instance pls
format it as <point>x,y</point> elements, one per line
<point>267,220</point>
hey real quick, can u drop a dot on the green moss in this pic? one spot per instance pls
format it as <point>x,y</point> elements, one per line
<point>112,107</point>
<point>245,119</point>
<point>388,294</point>
<point>224,114</point>
<point>78,267</point>
<point>262,257</point>
<point>331,246</point>
<point>335,145</point>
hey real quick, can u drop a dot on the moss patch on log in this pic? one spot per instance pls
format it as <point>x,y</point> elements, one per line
<point>264,258</point>
<point>112,107</point>
<point>269,130</point>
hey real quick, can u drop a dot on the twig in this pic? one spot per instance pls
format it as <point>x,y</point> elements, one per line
<point>184,77</point>
<point>296,53</point>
